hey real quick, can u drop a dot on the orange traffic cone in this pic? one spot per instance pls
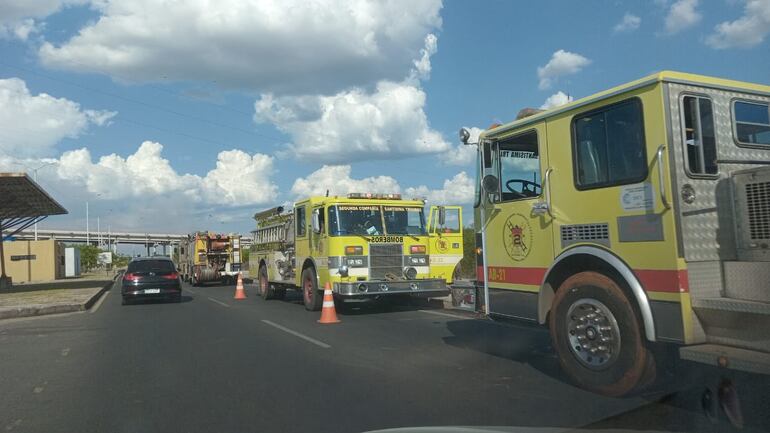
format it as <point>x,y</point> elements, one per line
<point>328,313</point>
<point>240,294</point>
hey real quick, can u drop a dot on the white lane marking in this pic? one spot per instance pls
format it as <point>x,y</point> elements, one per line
<point>65,351</point>
<point>101,300</point>
<point>38,389</point>
<point>297,334</point>
<point>191,291</point>
<point>454,316</point>
<point>218,302</point>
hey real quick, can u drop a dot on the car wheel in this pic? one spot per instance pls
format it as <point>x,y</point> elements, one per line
<point>264,286</point>
<point>310,293</point>
<point>280,293</point>
<point>598,337</point>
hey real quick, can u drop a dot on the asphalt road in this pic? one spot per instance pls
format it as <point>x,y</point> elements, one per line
<point>213,364</point>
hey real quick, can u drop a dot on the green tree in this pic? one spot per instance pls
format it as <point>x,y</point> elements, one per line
<point>88,256</point>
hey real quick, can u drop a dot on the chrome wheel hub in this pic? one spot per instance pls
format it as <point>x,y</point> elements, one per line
<point>593,333</point>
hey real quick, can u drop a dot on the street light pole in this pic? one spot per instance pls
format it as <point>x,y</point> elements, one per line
<point>88,238</point>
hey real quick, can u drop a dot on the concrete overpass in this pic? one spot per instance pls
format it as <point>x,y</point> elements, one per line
<point>112,238</point>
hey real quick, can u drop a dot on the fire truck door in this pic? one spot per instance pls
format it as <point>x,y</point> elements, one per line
<point>519,244</point>
<point>446,240</point>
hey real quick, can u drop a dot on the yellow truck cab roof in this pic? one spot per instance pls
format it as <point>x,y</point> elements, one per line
<point>658,77</point>
<point>322,200</point>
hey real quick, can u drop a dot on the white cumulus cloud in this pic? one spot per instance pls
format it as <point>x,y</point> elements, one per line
<point>561,63</point>
<point>20,18</point>
<point>628,23</point>
<point>31,125</point>
<point>682,15</point>
<point>388,123</point>
<point>457,190</point>
<point>747,31</point>
<point>337,180</point>
<point>279,46</point>
<point>557,99</point>
<point>238,179</point>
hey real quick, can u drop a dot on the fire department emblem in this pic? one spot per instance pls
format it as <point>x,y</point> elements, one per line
<point>517,237</point>
<point>442,245</point>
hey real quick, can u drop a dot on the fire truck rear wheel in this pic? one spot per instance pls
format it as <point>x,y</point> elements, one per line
<point>265,291</point>
<point>312,296</point>
<point>598,337</point>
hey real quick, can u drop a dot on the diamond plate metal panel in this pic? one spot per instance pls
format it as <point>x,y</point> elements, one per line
<point>705,279</point>
<point>708,231</point>
<point>747,280</point>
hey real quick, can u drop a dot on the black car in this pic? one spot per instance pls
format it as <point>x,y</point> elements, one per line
<point>151,278</point>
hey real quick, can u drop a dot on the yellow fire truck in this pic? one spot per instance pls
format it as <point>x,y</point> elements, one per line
<point>640,214</point>
<point>366,245</point>
<point>205,257</point>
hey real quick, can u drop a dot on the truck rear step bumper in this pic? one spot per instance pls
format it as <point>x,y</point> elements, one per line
<point>358,289</point>
<point>732,358</point>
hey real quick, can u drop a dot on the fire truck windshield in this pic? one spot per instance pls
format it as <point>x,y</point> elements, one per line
<point>404,220</point>
<point>363,220</point>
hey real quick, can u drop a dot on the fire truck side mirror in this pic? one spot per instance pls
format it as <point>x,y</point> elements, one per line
<point>316,222</point>
<point>465,135</point>
<point>441,216</point>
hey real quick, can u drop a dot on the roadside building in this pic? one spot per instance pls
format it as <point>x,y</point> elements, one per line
<point>23,203</point>
<point>30,261</point>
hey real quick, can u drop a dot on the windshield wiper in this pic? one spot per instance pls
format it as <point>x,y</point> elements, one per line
<point>346,232</point>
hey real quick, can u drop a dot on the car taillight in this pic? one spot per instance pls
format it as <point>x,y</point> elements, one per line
<point>172,276</point>
<point>417,249</point>
<point>131,277</point>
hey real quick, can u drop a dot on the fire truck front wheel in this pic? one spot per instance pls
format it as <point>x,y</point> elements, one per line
<point>310,293</point>
<point>597,336</point>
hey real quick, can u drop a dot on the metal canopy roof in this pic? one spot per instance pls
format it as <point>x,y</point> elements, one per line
<point>21,197</point>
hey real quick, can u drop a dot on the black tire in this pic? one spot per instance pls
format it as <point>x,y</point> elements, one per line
<point>263,285</point>
<point>590,311</point>
<point>313,298</point>
<point>280,293</point>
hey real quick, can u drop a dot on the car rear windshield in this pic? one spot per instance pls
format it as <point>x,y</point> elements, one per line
<point>151,266</point>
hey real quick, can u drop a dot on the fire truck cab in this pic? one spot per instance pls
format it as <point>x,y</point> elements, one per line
<point>637,215</point>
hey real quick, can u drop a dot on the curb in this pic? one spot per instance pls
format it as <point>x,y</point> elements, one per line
<point>54,309</point>
<point>90,303</point>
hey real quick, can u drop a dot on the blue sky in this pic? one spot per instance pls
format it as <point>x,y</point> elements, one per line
<point>338,95</point>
